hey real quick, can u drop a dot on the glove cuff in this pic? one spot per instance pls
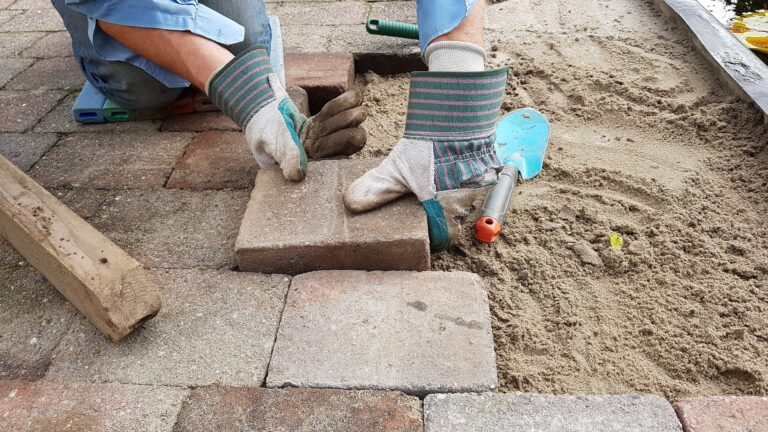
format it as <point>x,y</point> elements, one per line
<point>241,88</point>
<point>454,105</point>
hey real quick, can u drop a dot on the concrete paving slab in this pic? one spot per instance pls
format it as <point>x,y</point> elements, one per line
<point>111,161</point>
<point>57,44</point>
<point>323,75</point>
<point>60,120</point>
<point>31,4</point>
<point>175,229</point>
<point>298,410</point>
<point>11,44</point>
<point>199,122</point>
<point>299,227</point>
<point>33,317</point>
<point>547,413</point>
<point>24,150</point>
<point>724,414</point>
<point>414,332</point>
<point>9,68</point>
<point>216,327</point>
<point>33,20</point>
<point>50,73</point>
<point>44,406</point>
<point>20,111</point>
<point>215,160</point>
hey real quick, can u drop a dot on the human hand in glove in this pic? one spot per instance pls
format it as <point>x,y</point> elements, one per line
<point>446,154</point>
<point>249,92</point>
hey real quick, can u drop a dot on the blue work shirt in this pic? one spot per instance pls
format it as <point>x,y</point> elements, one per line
<point>181,15</point>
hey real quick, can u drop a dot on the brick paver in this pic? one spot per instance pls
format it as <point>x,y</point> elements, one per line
<point>215,327</point>
<point>44,407</point>
<point>214,409</point>
<point>215,160</point>
<point>323,75</point>
<point>174,229</point>
<point>498,412</point>
<point>9,68</point>
<point>57,44</point>
<point>414,332</point>
<point>20,111</point>
<point>724,414</point>
<point>199,122</point>
<point>60,120</point>
<point>33,318</point>
<point>24,150</point>
<point>52,73</point>
<point>298,227</point>
<point>111,160</point>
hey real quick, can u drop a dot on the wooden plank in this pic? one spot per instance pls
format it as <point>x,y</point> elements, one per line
<point>741,70</point>
<point>102,281</point>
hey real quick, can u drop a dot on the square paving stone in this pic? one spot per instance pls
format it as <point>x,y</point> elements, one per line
<point>112,160</point>
<point>724,414</point>
<point>321,13</point>
<point>215,160</point>
<point>213,409</point>
<point>174,229</point>
<point>46,407</point>
<point>414,332</point>
<point>51,73</point>
<point>9,68</point>
<point>33,319</point>
<point>215,327</point>
<point>60,120</point>
<point>299,227</point>
<point>33,20</point>
<point>547,413</point>
<point>57,44</point>
<point>20,111</point>
<point>25,149</point>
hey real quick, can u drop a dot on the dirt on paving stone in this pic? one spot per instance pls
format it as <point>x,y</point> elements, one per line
<point>648,143</point>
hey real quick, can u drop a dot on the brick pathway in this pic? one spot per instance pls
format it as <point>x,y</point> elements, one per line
<point>173,192</point>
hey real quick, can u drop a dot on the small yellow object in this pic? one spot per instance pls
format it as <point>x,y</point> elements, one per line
<point>752,30</point>
<point>617,241</point>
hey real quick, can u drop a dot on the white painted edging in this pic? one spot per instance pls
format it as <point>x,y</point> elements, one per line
<point>737,66</point>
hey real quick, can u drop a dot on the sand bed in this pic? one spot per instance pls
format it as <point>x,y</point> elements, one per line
<point>648,143</point>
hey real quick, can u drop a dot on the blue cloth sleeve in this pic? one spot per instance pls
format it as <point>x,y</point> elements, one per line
<point>437,18</point>
<point>181,15</point>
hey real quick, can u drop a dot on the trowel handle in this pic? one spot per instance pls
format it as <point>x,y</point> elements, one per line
<point>488,225</point>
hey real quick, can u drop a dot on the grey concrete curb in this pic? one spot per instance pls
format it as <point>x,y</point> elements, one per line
<point>741,70</point>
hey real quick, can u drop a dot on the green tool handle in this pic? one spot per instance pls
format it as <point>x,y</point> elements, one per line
<point>497,201</point>
<point>392,28</point>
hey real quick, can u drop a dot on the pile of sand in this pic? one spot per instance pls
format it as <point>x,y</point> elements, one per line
<point>646,142</point>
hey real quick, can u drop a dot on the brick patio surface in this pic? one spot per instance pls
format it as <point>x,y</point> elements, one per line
<point>172,192</point>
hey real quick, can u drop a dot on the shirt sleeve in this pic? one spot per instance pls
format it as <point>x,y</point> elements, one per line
<point>180,15</point>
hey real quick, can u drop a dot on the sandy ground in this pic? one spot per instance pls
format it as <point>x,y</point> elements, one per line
<point>648,143</point>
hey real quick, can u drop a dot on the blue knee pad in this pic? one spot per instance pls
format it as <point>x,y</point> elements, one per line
<point>437,18</point>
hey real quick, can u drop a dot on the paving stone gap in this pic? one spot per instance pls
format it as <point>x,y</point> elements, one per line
<point>502,412</point>
<point>294,228</point>
<point>415,332</point>
<point>213,409</point>
<point>216,327</point>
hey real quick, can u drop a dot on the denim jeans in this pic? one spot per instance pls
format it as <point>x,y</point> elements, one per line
<point>130,86</point>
